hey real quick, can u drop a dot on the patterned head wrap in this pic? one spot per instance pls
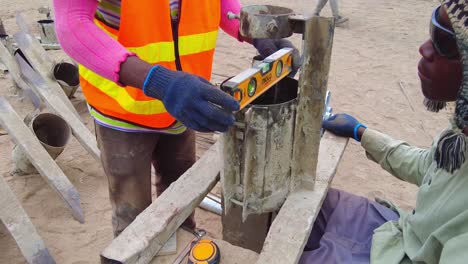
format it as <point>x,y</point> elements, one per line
<point>452,145</point>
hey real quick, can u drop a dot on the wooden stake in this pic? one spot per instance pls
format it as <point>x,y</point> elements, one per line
<point>318,40</point>
<point>21,228</point>
<point>292,226</point>
<point>39,157</point>
<point>146,235</point>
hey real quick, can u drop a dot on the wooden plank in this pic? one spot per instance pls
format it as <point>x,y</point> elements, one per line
<point>39,59</point>
<point>80,131</point>
<point>170,247</point>
<point>145,236</point>
<point>318,40</point>
<point>21,228</point>
<point>292,226</point>
<point>39,157</point>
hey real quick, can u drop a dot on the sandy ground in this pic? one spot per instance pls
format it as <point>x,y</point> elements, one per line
<point>373,76</point>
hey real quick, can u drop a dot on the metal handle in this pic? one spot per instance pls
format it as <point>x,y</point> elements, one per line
<point>232,16</point>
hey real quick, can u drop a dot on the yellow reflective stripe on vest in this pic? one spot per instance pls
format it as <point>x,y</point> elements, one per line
<point>121,96</point>
<point>155,52</point>
<point>164,51</point>
<point>197,43</point>
<point>152,53</point>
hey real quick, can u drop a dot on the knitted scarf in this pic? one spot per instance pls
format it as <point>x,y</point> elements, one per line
<point>452,145</point>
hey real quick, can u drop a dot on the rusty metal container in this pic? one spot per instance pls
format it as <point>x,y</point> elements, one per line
<point>67,76</point>
<point>257,152</point>
<point>52,131</point>
<point>47,31</point>
<point>265,21</point>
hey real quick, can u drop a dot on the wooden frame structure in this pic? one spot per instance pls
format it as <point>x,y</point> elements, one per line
<point>21,228</point>
<point>51,92</point>
<point>38,82</point>
<point>315,162</point>
<point>41,160</point>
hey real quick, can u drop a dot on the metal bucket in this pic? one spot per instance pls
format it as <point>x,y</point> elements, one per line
<point>52,131</point>
<point>67,76</point>
<point>47,31</point>
<point>4,38</point>
<point>257,152</point>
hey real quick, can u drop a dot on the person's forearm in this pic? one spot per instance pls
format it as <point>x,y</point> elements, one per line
<point>83,41</point>
<point>133,72</point>
<point>397,157</point>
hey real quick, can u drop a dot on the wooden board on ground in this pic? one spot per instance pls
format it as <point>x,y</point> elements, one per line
<point>229,254</point>
<point>145,236</point>
<point>39,157</point>
<point>170,247</point>
<point>21,228</point>
<point>292,226</point>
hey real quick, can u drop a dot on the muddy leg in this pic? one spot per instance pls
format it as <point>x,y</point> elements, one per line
<point>174,155</point>
<point>126,159</point>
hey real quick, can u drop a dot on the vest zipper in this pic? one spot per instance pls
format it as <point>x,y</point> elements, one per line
<point>175,36</point>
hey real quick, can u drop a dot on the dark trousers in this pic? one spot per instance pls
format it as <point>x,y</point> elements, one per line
<point>343,230</point>
<point>127,158</point>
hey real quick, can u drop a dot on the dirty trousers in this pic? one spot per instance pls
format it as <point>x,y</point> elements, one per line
<point>343,230</point>
<point>127,157</point>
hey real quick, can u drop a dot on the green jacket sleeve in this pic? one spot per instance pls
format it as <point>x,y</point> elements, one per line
<point>397,157</point>
<point>454,251</point>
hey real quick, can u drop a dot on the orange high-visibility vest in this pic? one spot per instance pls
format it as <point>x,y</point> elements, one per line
<point>146,29</point>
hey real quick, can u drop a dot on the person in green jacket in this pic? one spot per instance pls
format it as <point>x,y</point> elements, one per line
<point>352,229</point>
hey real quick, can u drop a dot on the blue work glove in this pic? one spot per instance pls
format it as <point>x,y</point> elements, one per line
<point>192,100</point>
<point>343,125</point>
<point>266,47</point>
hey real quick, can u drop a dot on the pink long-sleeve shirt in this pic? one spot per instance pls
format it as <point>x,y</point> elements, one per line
<point>82,40</point>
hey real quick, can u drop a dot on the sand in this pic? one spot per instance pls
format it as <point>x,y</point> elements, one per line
<point>373,77</point>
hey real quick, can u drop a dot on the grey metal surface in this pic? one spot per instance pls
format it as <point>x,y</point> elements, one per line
<point>47,31</point>
<point>67,76</point>
<point>262,167</point>
<point>52,132</point>
<point>211,205</point>
<point>266,21</point>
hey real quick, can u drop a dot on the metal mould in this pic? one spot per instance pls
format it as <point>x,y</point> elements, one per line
<point>265,21</point>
